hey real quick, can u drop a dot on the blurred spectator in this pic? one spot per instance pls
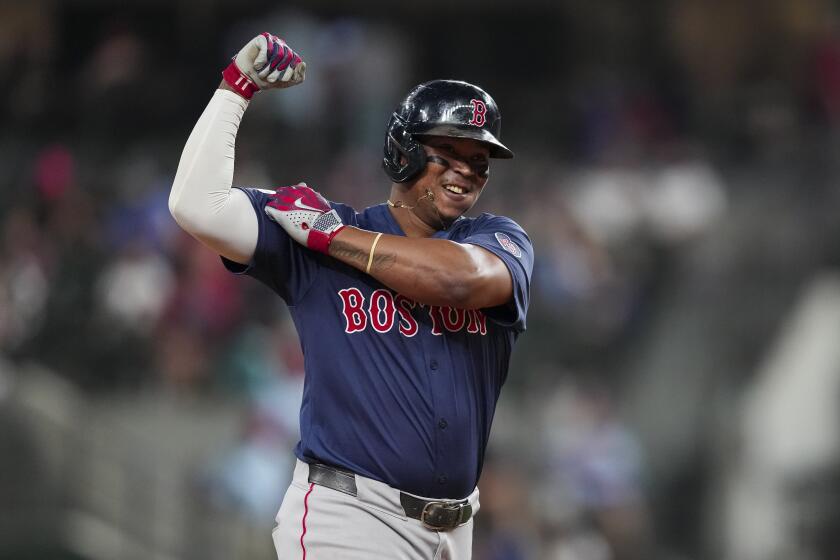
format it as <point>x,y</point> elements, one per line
<point>826,74</point>
<point>594,470</point>
<point>206,297</point>
<point>505,529</point>
<point>134,288</point>
<point>23,280</point>
<point>110,81</point>
<point>28,44</point>
<point>55,173</point>
<point>252,477</point>
<point>684,200</point>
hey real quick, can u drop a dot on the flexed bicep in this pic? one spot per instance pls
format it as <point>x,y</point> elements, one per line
<point>202,201</point>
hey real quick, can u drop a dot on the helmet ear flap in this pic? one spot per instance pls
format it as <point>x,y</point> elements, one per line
<point>404,156</point>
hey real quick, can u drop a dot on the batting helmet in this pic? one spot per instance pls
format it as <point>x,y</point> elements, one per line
<point>439,108</point>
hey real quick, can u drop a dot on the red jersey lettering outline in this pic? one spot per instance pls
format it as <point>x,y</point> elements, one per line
<point>456,324</point>
<point>384,308</point>
<point>437,318</point>
<point>353,309</point>
<point>408,324</point>
<point>477,322</point>
<point>376,310</point>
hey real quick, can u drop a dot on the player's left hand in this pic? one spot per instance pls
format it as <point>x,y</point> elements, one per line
<point>305,215</point>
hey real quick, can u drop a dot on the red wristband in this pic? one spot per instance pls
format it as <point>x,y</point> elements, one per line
<point>320,241</point>
<point>239,81</point>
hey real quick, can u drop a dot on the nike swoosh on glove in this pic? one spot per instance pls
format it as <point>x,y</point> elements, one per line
<point>305,215</point>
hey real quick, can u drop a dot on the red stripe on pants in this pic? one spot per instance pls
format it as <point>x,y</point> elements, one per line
<point>305,513</point>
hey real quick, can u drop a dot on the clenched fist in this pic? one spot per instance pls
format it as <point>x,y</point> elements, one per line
<point>265,62</point>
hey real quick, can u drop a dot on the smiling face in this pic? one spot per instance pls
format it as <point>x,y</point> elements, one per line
<point>455,174</point>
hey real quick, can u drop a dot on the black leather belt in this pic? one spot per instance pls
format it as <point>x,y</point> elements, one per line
<point>437,515</point>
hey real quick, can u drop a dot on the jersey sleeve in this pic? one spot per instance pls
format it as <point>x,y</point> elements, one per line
<point>507,240</point>
<point>279,261</point>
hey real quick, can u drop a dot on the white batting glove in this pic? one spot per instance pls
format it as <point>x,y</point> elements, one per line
<point>305,215</point>
<point>265,62</point>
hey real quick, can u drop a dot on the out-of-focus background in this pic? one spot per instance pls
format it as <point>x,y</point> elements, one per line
<point>676,395</point>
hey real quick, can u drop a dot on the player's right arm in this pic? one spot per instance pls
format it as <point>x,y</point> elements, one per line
<point>201,200</point>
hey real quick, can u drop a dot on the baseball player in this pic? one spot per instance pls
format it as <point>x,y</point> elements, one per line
<point>407,313</point>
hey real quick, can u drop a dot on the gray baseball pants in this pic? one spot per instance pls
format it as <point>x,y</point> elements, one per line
<point>319,523</point>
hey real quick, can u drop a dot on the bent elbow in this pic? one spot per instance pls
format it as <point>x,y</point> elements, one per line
<point>173,203</point>
<point>477,289</point>
<point>179,215</point>
<point>182,215</point>
<point>175,208</point>
<point>460,297</point>
<point>461,288</point>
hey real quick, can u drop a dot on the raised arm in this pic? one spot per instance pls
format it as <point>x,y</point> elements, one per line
<point>201,200</point>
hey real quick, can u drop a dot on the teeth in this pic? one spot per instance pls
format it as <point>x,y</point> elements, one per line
<point>455,189</point>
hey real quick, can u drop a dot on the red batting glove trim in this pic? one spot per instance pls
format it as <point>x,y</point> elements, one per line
<point>239,81</point>
<point>320,241</point>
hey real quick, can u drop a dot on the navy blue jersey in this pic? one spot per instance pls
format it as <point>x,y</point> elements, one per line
<point>395,390</point>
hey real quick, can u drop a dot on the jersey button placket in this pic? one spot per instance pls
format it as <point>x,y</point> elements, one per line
<point>434,347</point>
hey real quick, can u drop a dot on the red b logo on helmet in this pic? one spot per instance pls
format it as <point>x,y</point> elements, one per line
<point>479,112</point>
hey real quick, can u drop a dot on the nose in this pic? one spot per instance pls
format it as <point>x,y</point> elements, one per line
<point>461,167</point>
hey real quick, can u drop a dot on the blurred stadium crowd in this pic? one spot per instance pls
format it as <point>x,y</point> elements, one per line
<point>677,168</point>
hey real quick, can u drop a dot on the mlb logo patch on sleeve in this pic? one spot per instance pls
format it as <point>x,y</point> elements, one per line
<point>508,245</point>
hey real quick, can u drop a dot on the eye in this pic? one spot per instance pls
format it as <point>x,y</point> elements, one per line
<point>481,168</point>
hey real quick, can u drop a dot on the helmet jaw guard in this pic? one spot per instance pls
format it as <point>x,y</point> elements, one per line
<point>404,157</point>
<point>439,108</point>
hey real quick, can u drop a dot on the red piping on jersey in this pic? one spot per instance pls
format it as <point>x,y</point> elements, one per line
<point>305,513</point>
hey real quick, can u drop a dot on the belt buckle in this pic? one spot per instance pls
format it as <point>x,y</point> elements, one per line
<point>427,512</point>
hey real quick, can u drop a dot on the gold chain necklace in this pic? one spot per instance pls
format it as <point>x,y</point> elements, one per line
<point>431,197</point>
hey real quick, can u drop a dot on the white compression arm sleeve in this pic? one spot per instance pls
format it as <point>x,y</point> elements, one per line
<point>202,201</point>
